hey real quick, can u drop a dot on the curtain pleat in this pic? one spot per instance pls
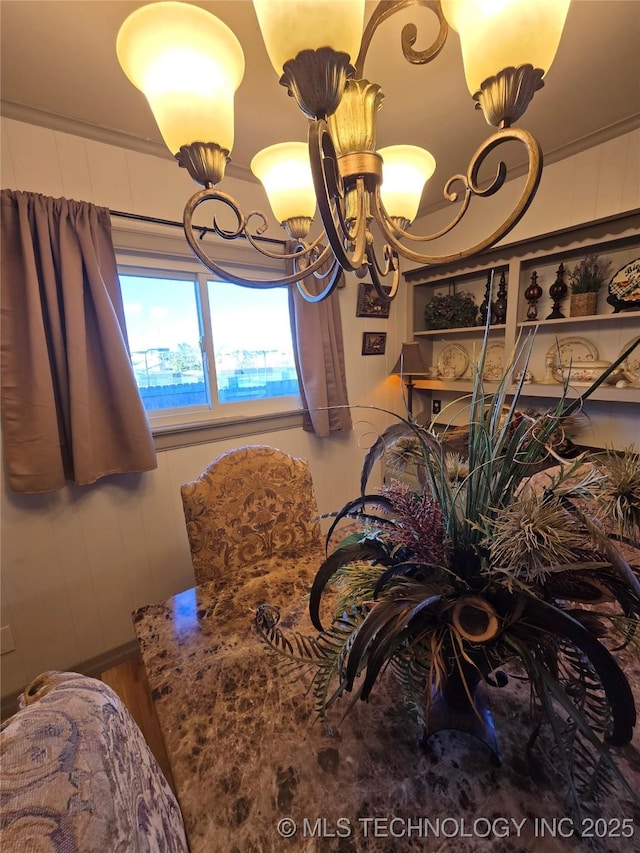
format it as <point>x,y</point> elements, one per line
<point>71,409</point>
<point>319,354</point>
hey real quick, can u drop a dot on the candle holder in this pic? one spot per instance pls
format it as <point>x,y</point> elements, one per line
<point>500,305</point>
<point>532,294</point>
<point>486,306</point>
<point>557,292</point>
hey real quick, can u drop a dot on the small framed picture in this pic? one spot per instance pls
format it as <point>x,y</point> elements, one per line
<point>374,343</point>
<point>369,303</point>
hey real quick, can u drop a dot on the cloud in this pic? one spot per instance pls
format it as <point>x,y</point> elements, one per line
<point>159,312</point>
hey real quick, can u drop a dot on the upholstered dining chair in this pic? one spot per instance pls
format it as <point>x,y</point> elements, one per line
<point>250,504</point>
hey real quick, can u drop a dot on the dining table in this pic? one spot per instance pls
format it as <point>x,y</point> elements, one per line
<point>257,770</point>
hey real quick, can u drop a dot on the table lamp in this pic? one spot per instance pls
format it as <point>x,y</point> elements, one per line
<point>410,364</point>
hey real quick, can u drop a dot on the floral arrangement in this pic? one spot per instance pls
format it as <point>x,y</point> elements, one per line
<point>475,574</point>
<point>588,275</point>
<point>450,311</point>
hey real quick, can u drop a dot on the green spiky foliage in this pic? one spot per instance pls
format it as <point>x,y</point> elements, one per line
<point>475,570</point>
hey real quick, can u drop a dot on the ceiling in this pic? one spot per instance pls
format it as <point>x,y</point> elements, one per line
<point>59,69</point>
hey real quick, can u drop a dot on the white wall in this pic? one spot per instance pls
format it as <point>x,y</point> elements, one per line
<point>599,182</point>
<point>75,563</point>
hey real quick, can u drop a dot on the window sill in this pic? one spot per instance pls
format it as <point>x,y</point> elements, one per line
<point>204,432</point>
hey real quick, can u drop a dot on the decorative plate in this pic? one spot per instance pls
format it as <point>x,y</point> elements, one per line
<point>453,362</point>
<point>631,365</point>
<point>493,361</point>
<point>568,350</point>
<point>624,287</point>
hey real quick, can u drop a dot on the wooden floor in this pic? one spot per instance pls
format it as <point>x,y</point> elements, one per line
<point>129,681</point>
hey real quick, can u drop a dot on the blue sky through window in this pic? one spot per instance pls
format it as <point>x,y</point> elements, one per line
<point>160,312</point>
<point>251,341</point>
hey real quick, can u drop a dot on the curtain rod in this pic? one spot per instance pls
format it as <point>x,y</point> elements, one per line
<point>203,229</point>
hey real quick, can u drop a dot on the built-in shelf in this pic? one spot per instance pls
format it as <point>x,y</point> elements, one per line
<point>625,316</point>
<point>612,413</point>
<point>467,330</point>
<point>629,394</point>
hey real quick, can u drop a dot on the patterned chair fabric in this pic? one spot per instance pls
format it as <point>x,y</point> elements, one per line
<point>249,505</point>
<point>77,775</point>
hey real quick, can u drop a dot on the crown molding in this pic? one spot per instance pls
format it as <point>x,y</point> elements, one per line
<point>603,134</point>
<point>98,133</point>
<point>121,139</point>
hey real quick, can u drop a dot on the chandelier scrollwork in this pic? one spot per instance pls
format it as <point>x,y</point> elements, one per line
<point>351,183</point>
<point>471,185</point>
<point>308,258</point>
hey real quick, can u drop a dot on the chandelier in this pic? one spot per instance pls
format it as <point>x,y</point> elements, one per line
<point>189,65</point>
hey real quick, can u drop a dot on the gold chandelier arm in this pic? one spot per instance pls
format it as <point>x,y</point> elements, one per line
<point>451,196</point>
<point>359,235</point>
<point>330,194</point>
<point>384,10</point>
<point>471,182</point>
<point>307,248</point>
<point>317,259</point>
<point>333,274</point>
<point>376,272</point>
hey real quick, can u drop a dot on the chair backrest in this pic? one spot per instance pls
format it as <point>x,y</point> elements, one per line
<point>248,505</point>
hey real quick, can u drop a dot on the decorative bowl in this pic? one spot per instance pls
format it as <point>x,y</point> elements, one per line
<point>582,372</point>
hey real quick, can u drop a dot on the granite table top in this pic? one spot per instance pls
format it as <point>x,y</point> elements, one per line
<point>256,772</point>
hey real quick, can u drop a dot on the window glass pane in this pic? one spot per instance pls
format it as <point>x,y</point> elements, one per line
<point>164,340</point>
<point>252,342</point>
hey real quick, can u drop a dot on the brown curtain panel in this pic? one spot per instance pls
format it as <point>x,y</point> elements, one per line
<point>70,405</point>
<point>319,354</point>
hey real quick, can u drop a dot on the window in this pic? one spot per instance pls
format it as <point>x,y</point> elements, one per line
<point>251,342</point>
<point>164,330</point>
<point>203,349</point>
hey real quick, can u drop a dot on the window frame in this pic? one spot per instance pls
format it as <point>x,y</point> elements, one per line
<point>153,252</point>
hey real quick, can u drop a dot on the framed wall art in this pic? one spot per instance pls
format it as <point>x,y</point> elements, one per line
<point>374,343</point>
<point>369,303</point>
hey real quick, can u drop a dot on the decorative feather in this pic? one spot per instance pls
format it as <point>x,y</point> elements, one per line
<point>613,680</point>
<point>369,549</point>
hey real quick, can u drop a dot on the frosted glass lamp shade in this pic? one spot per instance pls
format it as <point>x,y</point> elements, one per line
<point>189,65</point>
<point>285,172</point>
<point>405,171</point>
<point>288,27</point>
<point>497,34</point>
